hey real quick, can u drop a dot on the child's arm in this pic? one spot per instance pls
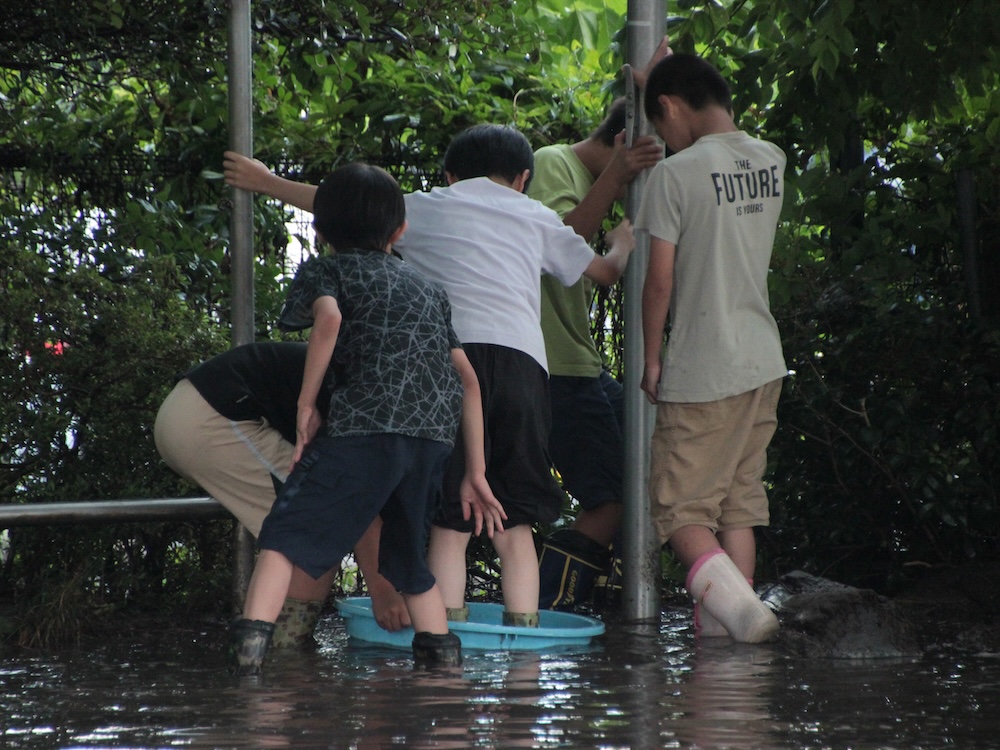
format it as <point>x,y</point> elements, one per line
<point>322,339</point>
<point>253,175</point>
<point>387,603</point>
<point>656,293</point>
<point>624,165</point>
<point>662,50</point>
<point>477,498</point>
<point>608,268</point>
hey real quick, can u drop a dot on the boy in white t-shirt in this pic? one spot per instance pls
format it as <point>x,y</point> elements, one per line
<point>488,244</point>
<point>711,209</point>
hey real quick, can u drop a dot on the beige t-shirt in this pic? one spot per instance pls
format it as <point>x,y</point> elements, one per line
<point>718,201</point>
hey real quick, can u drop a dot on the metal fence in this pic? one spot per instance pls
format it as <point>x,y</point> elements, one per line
<point>104,511</point>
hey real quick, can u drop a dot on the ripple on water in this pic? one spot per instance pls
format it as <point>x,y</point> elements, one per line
<point>639,686</point>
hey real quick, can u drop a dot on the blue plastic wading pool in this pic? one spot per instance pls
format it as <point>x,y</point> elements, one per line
<point>484,631</point>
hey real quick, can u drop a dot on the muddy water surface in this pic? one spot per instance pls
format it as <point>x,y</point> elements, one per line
<point>641,687</point>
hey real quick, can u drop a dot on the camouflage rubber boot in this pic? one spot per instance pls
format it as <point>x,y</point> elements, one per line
<point>248,642</point>
<point>433,649</point>
<point>520,619</point>
<point>457,614</point>
<point>296,623</point>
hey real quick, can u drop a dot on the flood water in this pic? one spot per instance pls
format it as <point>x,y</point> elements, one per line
<point>637,687</point>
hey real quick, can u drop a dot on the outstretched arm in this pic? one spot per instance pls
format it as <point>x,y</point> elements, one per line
<point>478,500</point>
<point>662,50</point>
<point>253,175</point>
<point>608,268</point>
<point>624,165</point>
<point>387,603</point>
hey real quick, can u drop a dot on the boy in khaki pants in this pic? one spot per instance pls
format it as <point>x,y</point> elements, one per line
<point>711,210</point>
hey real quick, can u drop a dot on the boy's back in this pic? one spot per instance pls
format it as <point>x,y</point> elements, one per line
<point>718,201</point>
<point>488,245</point>
<point>392,369</point>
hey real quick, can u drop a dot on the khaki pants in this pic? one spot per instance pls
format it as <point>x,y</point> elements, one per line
<point>708,459</point>
<point>232,461</point>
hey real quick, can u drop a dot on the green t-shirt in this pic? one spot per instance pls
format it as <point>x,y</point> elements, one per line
<point>560,182</point>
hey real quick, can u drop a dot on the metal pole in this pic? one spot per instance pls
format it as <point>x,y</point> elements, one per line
<point>106,511</point>
<point>241,231</point>
<point>641,565</point>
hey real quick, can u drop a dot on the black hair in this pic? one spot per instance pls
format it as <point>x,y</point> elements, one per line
<point>612,124</point>
<point>691,78</point>
<point>358,206</point>
<point>489,151</point>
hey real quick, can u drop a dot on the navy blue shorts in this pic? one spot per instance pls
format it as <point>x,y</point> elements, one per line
<point>517,421</point>
<point>340,485</point>
<point>586,442</point>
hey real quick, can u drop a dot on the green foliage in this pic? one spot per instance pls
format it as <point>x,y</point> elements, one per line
<point>115,241</point>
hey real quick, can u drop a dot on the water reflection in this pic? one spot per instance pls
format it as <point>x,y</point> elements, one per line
<point>641,687</point>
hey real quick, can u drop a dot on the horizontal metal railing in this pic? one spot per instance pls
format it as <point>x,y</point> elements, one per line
<point>103,511</point>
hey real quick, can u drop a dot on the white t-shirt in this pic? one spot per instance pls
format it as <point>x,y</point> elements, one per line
<point>488,246</point>
<point>719,202</point>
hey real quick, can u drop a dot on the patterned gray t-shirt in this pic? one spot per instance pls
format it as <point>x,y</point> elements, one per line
<point>391,370</point>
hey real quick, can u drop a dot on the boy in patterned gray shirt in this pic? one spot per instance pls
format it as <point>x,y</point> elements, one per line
<point>400,384</point>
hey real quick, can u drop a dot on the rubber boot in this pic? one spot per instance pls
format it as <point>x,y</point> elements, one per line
<point>248,642</point>
<point>608,585</point>
<point>296,623</point>
<point>520,619</point>
<point>569,564</point>
<point>717,585</point>
<point>706,626</point>
<point>457,614</point>
<point>433,649</point>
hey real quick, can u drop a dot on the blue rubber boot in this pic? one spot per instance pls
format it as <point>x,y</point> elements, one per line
<point>567,568</point>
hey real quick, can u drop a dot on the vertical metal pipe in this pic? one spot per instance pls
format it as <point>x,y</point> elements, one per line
<point>241,231</point>
<point>641,566</point>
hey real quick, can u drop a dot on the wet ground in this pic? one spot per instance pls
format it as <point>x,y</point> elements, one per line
<point>639,687</point>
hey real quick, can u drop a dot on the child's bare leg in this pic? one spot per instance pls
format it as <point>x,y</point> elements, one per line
<point>689,543</point>
<point>446,560</point>
<point>303,586</point>
<point>268,586</point>
<point>427,611</point>
<point>741,546</point>
<point>518,569</point>
<point>250,636</point>
<point>600,523</point>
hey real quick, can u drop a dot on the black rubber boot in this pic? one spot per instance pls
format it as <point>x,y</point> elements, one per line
<point>435,649</point>
<point>608,585</point>
<point>568,565</point>
<point>248,642</point>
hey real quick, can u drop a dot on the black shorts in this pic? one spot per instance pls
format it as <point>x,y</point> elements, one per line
<point>586,442</point>
<point>337,489</point>
<point>517,419</point>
